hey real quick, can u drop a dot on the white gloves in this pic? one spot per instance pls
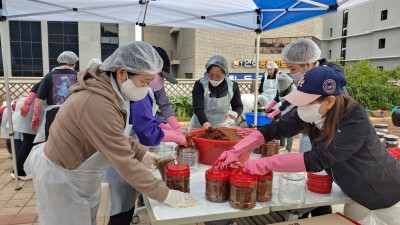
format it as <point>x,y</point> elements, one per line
<point>179,199</point>
<point>149,159</point>
<point>233,115</point>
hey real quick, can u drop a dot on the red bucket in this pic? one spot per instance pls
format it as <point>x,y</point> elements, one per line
<point>210,150</point>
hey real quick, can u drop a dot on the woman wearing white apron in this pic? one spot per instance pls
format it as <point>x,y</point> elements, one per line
<point>214,95</point>
<point>269,84</point>
<point>68,168</point>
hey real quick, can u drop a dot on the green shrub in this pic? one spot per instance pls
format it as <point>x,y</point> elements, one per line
<point>369,85</point>
<point>181,106</point>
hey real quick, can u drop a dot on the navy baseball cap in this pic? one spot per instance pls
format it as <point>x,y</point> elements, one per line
<point>317,82</point>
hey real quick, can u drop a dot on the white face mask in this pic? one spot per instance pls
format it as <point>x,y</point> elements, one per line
<point>131,92</point>
<point>309,113</point>
<point>215,83</point>
<point>297,76</point>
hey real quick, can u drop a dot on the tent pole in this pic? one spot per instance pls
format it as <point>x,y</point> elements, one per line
<point>4,45</point>
<point>256,78</point>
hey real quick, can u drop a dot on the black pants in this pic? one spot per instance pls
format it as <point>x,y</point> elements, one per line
<point>26,147</point>
<point>50,115</point>
<point>319,211</point>
<point>124,218</point>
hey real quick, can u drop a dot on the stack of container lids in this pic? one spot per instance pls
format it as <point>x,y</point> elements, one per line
<point>319,182</point>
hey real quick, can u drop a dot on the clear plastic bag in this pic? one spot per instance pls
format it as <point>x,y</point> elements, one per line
<point>372,219</point>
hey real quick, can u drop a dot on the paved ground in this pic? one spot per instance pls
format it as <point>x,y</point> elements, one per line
<point>19,207</point>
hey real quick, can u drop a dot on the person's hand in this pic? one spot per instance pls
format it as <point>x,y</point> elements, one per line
<point>178,199</point>
<point>25,110</point>
<point>173,136</point>
<point>206,125</point>
<point>271,115</point>
<point>243,132</point>
<point>149,159</point>
<point>252,141</point>
<point>173,122</point>
<point>269,107</point>
<point>165,126</point>
<point>35,123</point>
<point>232,114</point>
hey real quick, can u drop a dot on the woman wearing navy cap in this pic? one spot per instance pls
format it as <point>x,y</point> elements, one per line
<point>344,144</point>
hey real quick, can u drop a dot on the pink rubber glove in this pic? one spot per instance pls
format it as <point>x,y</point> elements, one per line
<point>252,141</point>
<point>271,115</point>
<point>292,162</point>
<point>27,104</point>
<point>270,106</point>
<point>173,122</point>
<point>173,136</point>
<point>165,126</point>
<point>35,119</point>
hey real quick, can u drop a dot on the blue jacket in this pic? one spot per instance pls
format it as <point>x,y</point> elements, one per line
<point>356,160</point>
<point>145,125</point>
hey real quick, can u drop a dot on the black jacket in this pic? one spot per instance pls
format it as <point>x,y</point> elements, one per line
<point>356,160</point>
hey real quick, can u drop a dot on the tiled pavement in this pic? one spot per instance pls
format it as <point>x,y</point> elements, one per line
<point>19,207</point>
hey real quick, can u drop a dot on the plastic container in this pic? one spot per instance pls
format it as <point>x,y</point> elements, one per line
<point>210,150</point>
<point>190,157</point>
<point>243,190</point>
<point>269,149</point>
<point>217,184</point>
<point>396,116</point>
<point>163,162</point>
<point>177,177</point>
<point>292,188</point>
<point>262,119</point>
<point>162,150</point>
<point>264,188</point>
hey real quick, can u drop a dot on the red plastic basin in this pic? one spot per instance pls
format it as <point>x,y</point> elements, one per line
<point>210,150</point>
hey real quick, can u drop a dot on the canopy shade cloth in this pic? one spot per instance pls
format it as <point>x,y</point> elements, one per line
<point>250,15</point>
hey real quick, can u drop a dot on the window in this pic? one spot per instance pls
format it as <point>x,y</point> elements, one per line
<point>276,45</point>
<point>382,43</point>
<point>384,14</point>
<point>380,68</point>
<point>109,39</point>
<point>330,54</point>
<point>343,56</point>
<point>62,36</point>
<point>331,32</point>
<point>189,75</point>
<point>344,32</point>
<point>344,43</point>
<point>345,18</point>
<point>26,49</point>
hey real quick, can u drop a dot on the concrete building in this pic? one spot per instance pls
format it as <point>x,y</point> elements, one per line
<point>34,46</point>
<point>368,31</point>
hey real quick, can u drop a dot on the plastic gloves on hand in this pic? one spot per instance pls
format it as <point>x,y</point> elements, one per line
<point>149,159</point>
<point>173,122</point>
<point>232,114</point>
<point>165,126</point>
<point>270,106</point>
<point>179,199</point>
<point>293,162</point>
<point>274,113</point>
<point>252,141</point>
<point>35,119</point>
<point>27,103</point>
<point>174,136</point>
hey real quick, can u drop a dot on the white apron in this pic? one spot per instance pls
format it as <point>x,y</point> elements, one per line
<point>270,86</point>
<point>281,100</point>
<point>41,133</point>
<point>216,109</point>
<point>122,194</point>
<point>23,124</point>
<point>64,196</point>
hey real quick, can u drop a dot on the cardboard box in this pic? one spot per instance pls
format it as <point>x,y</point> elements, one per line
<point>330,219</point>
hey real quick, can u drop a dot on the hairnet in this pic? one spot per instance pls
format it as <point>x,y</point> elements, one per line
<point>136,57</point>
<point>93,62</point>
<point>262,99</point>
<point>284,81</point>
<point>301,51</point>
<point>218,60</point>
<point>272,65</point>
<point>67,57</point>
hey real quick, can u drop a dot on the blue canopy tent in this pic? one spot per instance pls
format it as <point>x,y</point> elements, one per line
<point>246,15</point>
